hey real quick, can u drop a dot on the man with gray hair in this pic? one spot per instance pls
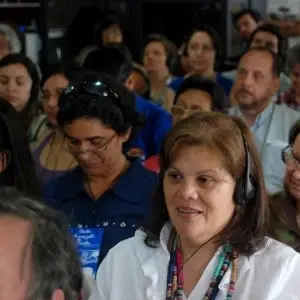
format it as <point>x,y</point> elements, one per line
<point>38,258</point>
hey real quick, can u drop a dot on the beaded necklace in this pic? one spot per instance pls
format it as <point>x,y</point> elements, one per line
<point>228,257</point>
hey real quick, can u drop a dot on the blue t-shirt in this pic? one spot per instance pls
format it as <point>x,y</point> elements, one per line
<point>119,211</point>
<point>158,124</point>
<point>222,81</point>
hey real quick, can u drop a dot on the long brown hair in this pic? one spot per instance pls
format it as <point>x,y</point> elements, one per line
<point>226,135</point>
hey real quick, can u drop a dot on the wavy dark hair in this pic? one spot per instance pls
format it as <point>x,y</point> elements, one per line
<point>20,171</point>
<point>32,108</point>
<point>117,113</point>
<point>249,224</point>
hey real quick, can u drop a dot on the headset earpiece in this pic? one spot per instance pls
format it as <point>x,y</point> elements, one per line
<point>244,190</point>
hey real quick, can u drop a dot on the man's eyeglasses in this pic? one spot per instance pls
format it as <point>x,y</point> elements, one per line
<point>289,158</point>
<point>74,146</point>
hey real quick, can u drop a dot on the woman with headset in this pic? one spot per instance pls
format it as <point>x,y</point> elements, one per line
<point>157,58</point>
<point>285,206</point>
<point>206,239</point>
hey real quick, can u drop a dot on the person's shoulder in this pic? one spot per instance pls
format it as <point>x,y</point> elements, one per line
<point>224,79</point>
<point>291,115</point>
<point>277,255</point>
<point>143,173</point>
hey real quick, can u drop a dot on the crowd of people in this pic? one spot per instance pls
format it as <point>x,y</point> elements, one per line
<point>170,179</point>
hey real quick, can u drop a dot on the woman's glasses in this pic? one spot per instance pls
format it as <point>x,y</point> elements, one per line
<point>74,146</point>
<point>93,87</point>
<point>289,158</point>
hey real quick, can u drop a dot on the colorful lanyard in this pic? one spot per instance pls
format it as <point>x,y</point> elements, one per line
<point>175,281</point>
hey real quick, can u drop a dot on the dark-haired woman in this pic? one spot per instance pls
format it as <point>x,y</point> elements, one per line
<point>51,157</point>
<point>19,85</point>
<point>210,216</point>
<point>285,206</point>
<point>16,163</point>
<point>196,94</point>
<point>157,58</point>
<point>203,49</point>
<point>107,191</point>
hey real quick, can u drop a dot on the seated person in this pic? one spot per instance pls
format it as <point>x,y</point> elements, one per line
<point>116,61</point>
<point>16,162</point>
<point>285,206</point>
<point>203,48</point>
<point>291,97</point>
<point>207,236</point>
<point>106,191</point>
<point>194,95</point>
<point>270,37</point>
<point>38,258</point>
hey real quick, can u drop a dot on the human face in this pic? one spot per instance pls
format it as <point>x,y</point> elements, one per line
<point>255,83</point>
<point>113,34</point>
<point>246,25</point>
<point>155,57</point>
<point>295,76</point>
<point>15,85</point>
<point>201,53</point>
<point>189,102</point>
<point>292,171</point>
<point>50,95</point>
<point>96,148</point>
<point>266,40</point>
<point>199,194</point>
<point>14,258</point>
<point>4,46</point>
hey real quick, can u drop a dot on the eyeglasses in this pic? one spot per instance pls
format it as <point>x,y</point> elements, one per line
<point>289,158</point>
<point>93,87</point>
<point>74,146</point>
<point>180,111</point>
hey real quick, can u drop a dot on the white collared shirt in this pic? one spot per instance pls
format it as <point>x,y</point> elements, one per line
<point>271,130</point>
<point>134,271</point>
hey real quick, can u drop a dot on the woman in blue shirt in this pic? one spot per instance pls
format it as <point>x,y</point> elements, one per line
<point>107,191</point>
<point>202,49</point>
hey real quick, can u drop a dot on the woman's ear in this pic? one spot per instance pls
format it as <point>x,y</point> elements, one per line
<point>125,137</point>
<point>58,294</point>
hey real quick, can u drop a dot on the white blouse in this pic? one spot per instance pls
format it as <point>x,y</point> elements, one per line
<point>134,271</point>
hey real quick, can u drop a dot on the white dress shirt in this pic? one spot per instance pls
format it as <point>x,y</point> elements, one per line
<point>134,271</point>
<point>271,130</point>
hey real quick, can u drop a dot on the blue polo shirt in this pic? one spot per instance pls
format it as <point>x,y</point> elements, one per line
<point>158,124</point>
<point>222,81</point>
<point>120,210</point>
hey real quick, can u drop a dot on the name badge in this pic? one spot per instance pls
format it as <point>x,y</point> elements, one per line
<point>89,242</point>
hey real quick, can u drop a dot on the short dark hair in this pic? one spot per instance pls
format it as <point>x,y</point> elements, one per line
<point>58,68</point>
<point>219,99</point>
<point>54,258</point>
<point>294,131</point>
<point>214,35</point>
<point>114,60</point>
<point>32,108</point>
<point>293,57</point>
<point>275,30</point>
<point>20,171</point>
<point>170,48</point>
<point>276,61</point>
<point>117,113</point>
<point>256,15</point>
<point>227,135</point>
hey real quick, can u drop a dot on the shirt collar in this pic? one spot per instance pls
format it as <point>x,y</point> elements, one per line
<point>123,188</point>
<point>262,117</point>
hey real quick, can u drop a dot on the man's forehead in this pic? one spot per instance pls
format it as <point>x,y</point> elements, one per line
<point>253,56</point>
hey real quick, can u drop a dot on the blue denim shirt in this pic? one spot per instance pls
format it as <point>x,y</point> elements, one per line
<point>271,130</point>
<point>120,210</point>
